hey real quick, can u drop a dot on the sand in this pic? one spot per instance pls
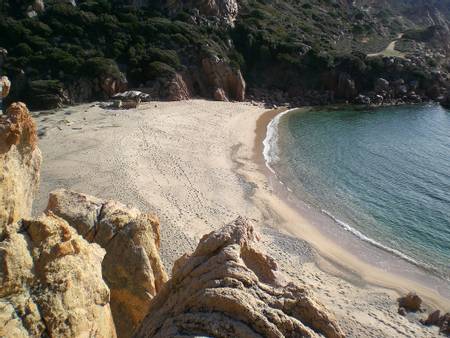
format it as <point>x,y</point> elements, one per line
<point>197,164</point>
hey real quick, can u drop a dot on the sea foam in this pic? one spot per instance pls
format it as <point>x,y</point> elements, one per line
<point>373,242</point>
<point>271,153</point>
<point>270,143</point>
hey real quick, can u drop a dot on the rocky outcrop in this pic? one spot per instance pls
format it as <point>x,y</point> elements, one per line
<point>435,318</point>
<point>51,282</point>
<point>228,288</point>
<point>410,302</point>
<point>177,89</point>
<point>6,86</point>
<point>225,11</point>
<point>109,86</point>
<point>20,161</point>
<point>226,82</point>
<point>132,267</point>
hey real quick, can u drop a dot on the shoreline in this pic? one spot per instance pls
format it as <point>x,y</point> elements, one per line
<point>193,164</point>
<point>342,260</point>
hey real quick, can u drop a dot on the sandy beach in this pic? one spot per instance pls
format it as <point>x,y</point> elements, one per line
<point>198,165</point>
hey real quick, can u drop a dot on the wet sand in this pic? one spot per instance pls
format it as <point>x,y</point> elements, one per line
<point>349,256</point>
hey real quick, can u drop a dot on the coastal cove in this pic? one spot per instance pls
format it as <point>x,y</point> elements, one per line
<point>349,250</point>
<point>198,165</point>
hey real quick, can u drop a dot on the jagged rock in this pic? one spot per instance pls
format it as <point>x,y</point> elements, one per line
<point>51,282</point>
<point>20,162</point>
<point>132,267</point>
<point>228,288</point>
<point>227,83</point>
<point>6,86</point>
<point>411,302</point>
<point>433,318</point>
<point>177,89</point>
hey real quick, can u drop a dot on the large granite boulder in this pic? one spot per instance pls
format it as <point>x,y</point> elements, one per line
<point>228,288</point>
<point>132,266</point>
<point>51,282</point>
<point>20,161</point>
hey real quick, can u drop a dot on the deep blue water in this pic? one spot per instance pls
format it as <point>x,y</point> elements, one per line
<point>384,174</point>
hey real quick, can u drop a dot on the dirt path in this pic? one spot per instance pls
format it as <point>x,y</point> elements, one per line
<point>390,49</point>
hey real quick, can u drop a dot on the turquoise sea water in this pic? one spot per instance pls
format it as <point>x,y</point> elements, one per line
<point>382,174</point>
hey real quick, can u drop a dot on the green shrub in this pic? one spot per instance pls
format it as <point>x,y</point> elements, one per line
<point>22,49</point>
<point>100,66</point>
<point>169,57</point>
<point>158,69</point>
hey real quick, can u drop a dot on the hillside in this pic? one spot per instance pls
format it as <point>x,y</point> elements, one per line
<point>302,52</point>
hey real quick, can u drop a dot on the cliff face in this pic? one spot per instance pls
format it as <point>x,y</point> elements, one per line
<point>20,161</point>
<point>228,288</point>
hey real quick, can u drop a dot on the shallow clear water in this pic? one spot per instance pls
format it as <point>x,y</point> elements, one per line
<point>382,174</point>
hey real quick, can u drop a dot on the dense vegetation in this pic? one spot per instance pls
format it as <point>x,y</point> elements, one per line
<point>303,40</point>
<point>96,38</point>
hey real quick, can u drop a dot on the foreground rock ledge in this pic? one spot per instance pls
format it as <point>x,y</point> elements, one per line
<point>132,266</point>
<point>51,282</point>
<point>20,162</point>
<point>227,288</point>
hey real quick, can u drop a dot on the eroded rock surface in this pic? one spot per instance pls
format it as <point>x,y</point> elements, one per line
<point>20,162</point>
<point>51,282</point>
<point>132,266</point>
<point>227,83</point>
<point>410,302</point>
<point>228,288</point>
